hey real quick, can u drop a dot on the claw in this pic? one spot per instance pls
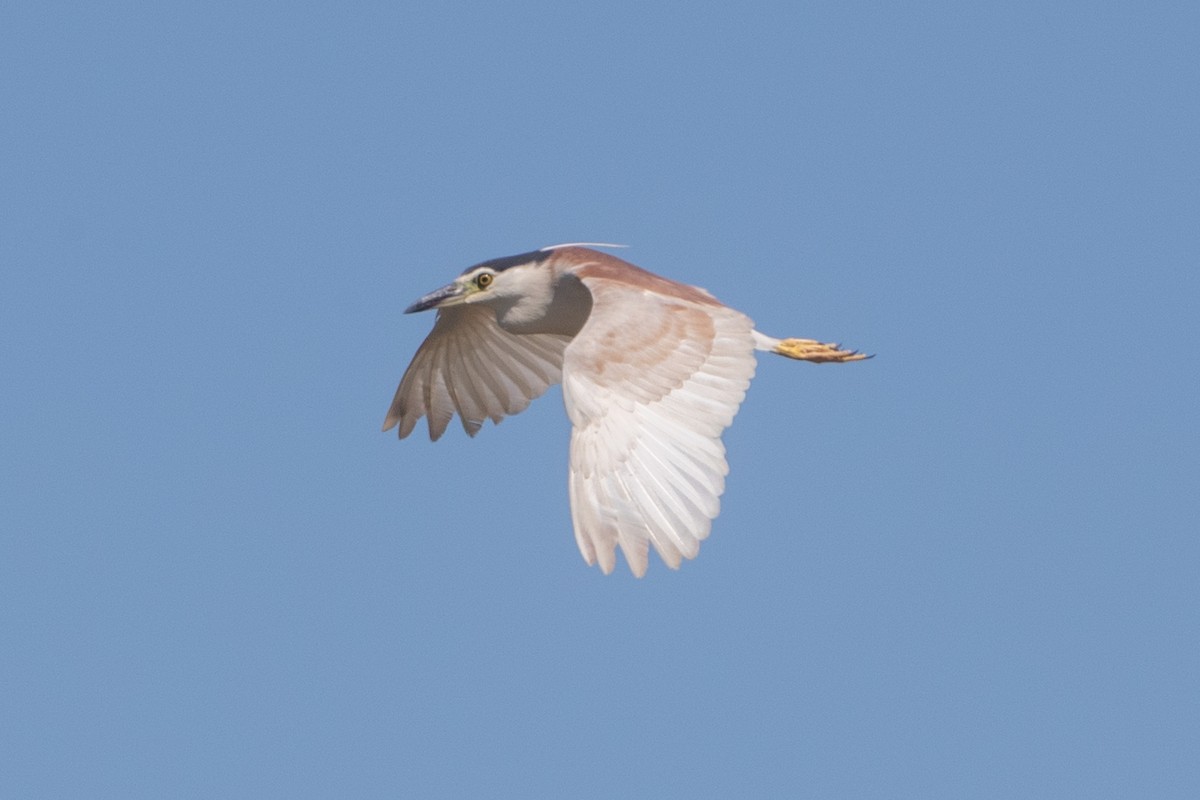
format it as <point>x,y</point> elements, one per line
<point>817,352</point>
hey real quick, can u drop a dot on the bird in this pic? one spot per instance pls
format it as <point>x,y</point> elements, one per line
<point>652,372</point>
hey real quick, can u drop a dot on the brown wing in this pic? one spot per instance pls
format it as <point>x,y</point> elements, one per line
<point>469,365</point>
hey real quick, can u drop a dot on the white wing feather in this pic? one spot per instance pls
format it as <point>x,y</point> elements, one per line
<point>650,384</point>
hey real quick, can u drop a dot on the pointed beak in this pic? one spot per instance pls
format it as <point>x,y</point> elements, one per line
<point>440,297</point>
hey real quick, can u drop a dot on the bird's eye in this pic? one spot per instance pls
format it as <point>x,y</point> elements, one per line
<point>484,280</point>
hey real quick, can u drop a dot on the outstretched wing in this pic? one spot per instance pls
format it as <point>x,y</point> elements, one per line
<point>470,365</point>
<point>650,384</point>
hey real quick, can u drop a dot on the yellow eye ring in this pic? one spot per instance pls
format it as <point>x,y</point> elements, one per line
<point>484,280</point>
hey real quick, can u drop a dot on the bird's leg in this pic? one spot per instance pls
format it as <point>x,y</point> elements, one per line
<point>816,352</point>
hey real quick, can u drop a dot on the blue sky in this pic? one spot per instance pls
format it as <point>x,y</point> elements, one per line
<point>967,568</point>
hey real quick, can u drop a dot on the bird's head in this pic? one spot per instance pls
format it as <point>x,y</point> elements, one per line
<point>505,281</point>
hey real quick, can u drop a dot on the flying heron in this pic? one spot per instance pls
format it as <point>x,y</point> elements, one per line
<point>653,372</point>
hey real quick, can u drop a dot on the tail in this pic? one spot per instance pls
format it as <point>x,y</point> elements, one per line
<point>807,350</point>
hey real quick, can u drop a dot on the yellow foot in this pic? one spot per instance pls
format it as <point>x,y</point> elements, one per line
<point>817,352</point>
